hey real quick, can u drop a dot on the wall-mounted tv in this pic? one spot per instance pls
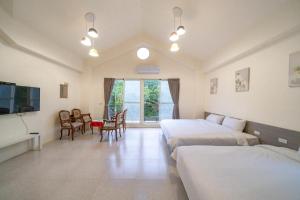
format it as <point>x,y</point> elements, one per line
<point>18,99</point>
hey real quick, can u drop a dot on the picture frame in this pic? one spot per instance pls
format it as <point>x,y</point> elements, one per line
<point>213,86</point>
<point>294,69</point>
<point>242,80</point>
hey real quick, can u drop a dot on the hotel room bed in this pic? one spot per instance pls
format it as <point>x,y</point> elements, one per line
<point>239,172</point>
<point>186,132</point>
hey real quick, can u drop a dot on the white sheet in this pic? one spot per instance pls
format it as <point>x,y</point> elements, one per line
<point>259,172</point>
<point>186,132</point>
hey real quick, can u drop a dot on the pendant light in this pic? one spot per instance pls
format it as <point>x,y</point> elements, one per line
<point>89,39</point>
<point>174,36</point>
<point>86,41</point>
<point>180,29</point>
<point>93,51</point>
<point>92,32</point>
<point>174,47</point>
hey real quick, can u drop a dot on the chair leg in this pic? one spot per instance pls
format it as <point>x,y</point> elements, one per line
<point>124,127</point>
<point>116,132</point>
<point>61,133</point>
<point>101,133</point>
<point>92,129</point>
<point>82,129</point>
<point>72,133</point>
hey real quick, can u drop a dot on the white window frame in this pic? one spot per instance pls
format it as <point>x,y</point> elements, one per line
<point>142,122</point>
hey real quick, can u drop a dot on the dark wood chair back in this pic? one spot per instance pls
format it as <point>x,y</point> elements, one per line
<point>76,113</point>
<point>64,117</point>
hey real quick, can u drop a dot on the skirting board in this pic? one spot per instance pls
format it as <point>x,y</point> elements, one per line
<point>271,134</point>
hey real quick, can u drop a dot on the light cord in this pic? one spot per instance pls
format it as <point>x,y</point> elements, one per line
<point>174,23</point>
<point>180,20</point>
<point>93,21</point>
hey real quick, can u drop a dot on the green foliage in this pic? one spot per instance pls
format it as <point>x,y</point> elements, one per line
<point>151,98</point>
<point>116,99</point>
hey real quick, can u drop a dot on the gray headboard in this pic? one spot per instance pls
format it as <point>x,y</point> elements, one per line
<point>270,134</point>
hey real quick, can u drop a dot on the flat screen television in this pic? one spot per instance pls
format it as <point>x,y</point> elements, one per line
<point>18,99</point>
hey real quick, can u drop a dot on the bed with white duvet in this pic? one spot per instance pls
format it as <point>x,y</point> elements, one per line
<point>186,132</point>
<point>258,172</point>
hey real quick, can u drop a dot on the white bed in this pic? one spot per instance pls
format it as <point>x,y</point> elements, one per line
<point>186,132</point>
<point>260,172</point>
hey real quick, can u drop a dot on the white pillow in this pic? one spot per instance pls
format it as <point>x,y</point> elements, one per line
<point>234,124</point>
<point>215,118</point>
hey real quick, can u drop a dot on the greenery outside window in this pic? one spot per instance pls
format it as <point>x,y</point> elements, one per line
<point>146,100</point>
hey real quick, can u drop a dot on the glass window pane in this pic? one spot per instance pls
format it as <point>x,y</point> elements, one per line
<point>151,100</point>
<point>132,91</point>
<point>165,95</point>
<point>133,113</point>
<point>165,111</point>
<point>116,99</point>
<point>166,102</point>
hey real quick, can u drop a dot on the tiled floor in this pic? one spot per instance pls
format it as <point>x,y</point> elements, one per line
<point>137,167</point>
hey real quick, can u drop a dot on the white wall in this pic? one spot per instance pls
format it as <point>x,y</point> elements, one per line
<point>124,67</point>
<point>28,40</point>
<point>269,100</point>
<point>265,33</point>
<point>24,69</point>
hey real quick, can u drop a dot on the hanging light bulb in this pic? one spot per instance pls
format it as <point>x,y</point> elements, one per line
<point>174,37</point>
<point>93,52</point>
<point>93,32</point>
<point>174,47</point>
<point>180,30</point>
<point>86,41</point>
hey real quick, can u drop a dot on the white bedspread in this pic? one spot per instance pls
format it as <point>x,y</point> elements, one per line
<point>259,172</point>
<point>186,132</point>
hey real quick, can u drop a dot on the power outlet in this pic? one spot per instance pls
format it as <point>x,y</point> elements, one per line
<point>282,140</point>
<point>256,133</point>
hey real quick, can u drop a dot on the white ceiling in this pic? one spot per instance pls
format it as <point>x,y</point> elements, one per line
<point>210,24</point>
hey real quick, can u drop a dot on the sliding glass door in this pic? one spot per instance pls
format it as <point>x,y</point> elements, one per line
<point>132,100</point>
<point>165,101</point>
<point>147,101</point>
<point>151,100</point>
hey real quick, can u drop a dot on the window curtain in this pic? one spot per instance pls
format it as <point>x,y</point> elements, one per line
<point>174,85</point>
<point>108,87</point>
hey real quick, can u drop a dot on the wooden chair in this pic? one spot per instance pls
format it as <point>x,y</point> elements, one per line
<point>111,125</point>
<point>66,124</point>
<point>124,125</point>
<point>121,121</point>
<point>83,118</point>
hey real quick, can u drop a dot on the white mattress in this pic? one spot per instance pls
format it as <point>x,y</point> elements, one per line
<point>259,172</point>
<point>186,132</point>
